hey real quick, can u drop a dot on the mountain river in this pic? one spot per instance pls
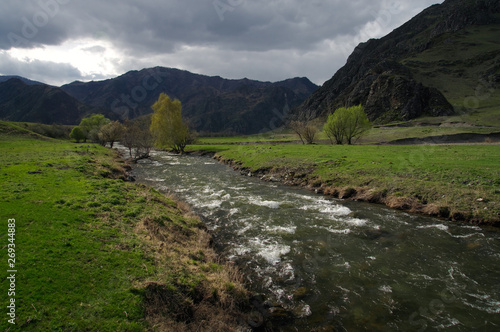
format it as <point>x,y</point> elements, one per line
<point>339,265</point>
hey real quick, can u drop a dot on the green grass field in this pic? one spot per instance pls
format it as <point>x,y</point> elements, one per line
<point>419,128</point>
<point>462,179</point>
<point>95,253</point>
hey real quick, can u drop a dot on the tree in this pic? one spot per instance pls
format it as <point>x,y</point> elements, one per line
<point>309,133</point>
<point>346,124</point>
<point>91,126</point>
<point>77,134</point>
<point>306,131</point>
<point>143,144</point>
<point>335,125</point>
<point>357,123</point>
<point>110,133</point>
<point>137,137</point>
<point>167,127</point>
<point>128,136</point>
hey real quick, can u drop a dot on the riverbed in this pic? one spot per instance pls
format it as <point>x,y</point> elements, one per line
<point>338,265</point>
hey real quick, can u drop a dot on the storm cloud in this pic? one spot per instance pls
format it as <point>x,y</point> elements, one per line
<point>265,40</point>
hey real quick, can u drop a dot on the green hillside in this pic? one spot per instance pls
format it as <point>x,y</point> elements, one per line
<point>465,67</point>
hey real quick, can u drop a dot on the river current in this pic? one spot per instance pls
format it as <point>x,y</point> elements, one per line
<point>338,265</point>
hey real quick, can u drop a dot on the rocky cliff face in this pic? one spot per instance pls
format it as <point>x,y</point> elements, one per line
<point>389,93</point>
<point>377,76</point>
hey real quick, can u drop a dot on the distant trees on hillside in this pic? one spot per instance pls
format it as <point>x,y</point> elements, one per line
<point>346,124</point>
<point>52,130</point>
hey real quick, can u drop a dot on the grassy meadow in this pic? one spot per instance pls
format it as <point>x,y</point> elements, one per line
<point>94,252</point>
<point>460,182</point>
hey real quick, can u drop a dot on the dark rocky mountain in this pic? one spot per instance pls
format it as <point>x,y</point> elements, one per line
<point>4,78</point>
<point>39,103</point>
<point>210,104</point>
<point>426,67</point>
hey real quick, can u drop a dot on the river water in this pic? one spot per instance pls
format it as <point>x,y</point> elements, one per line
<point>336,265</point>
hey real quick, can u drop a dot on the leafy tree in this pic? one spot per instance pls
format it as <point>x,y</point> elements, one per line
<point>335,125</point>
<point>110,133</point>
<point>357,123</point>
<point>91,126</point>
<point>77,134</point>
<point>167,127</point>
<point>346,124</point>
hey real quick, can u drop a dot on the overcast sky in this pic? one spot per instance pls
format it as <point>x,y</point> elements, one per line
<point>59,41</point>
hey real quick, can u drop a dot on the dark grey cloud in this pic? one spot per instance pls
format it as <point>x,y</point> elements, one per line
<point>26,24</point>
<point>285,34</point>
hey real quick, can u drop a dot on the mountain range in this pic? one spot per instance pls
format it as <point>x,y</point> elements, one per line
<point>445,61</point>
<point>211,104</point>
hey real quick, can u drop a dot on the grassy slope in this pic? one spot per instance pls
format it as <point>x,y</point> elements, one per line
<point>457,181</point>
<point>96,253</point>
<point>463,66</point>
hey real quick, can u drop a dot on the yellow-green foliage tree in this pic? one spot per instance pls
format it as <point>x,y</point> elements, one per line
<point>357,123</point>
<point>77,134</point>
<point>91,126</point>
<point>346,124</point>
<point>167,127</point>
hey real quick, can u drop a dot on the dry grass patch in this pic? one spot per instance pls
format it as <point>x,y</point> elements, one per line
<point>193,288</point>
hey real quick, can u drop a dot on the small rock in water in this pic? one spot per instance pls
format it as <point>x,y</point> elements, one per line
<point>300,293</point>
<point>303,311</point>
<point>280,315</point>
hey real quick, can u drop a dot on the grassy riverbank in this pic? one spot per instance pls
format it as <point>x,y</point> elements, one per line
<point>456,182</point>
<point>95,252</point>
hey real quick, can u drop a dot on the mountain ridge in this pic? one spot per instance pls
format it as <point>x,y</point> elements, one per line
<point>21,102</point>
<point>211,104</point>
<point>5,78</point>
<point>377,75</point>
